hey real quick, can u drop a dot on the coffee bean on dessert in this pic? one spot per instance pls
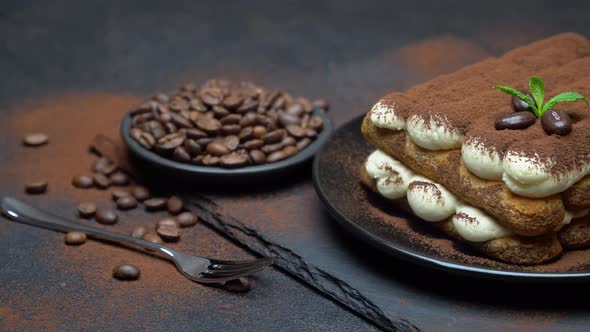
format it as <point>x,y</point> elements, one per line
<point>139,232</point>
<point>257,156</point>
<point>140,193</point>
<point>86,209</point>
<point>302,144</point>
<point>321,104</point>
<point>152,237</point>
<point>167,221</point>
<point>106,216</point>
<point>168,233</point>
<point>126,272</point>
<point>174,205</point>
<point>514,121</point>
<point>520,105</point>
<point>119,179</point>
<point>82,181</point>
<point>37,187</point>
<point>75,238</point>
<point>186,219</point>
<point>556,122</point>
<point>217,148</point>
<point>155,204</point>
<point>241,285</point>
<point>36,139</point>
<point>233,160</point>
<point>126,203</point>
<point>100,181</point>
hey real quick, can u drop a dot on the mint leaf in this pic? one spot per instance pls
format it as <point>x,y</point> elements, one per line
<point>517,94</point>
<point>537,89</point>
<point>563,97</point>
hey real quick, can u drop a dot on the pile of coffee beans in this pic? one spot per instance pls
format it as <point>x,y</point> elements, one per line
<point>227,124</point>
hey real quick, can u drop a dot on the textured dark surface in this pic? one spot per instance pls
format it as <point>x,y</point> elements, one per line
<point>349,52</point>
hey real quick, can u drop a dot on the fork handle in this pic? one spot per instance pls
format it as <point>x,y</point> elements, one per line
<point>26,214</point>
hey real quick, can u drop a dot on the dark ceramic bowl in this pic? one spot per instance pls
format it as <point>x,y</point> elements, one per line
<point>150,163</point>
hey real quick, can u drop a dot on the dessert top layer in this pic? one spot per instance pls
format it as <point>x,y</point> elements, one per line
<point>459,110</point>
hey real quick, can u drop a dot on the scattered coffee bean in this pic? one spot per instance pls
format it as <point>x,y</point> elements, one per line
<point>82,181</point>
<point>167,221</point>
<point>186,219</point>
<point>106,217</point>
<point>86,209</point>
<point>520,105</point>
<point>37,187</point>
<point>174,205</point>
<point>514,121</point>
<point>155,204</point>
<point>140,193</point>
<point>104,166</point>
<point>206,126</point>
<point>126,272</point>
<point>241,285</point>
<point>556,122</point>
<point>168,233</point>
<point>119,179</point>
<point>75,238</point>
<point>153,237</point>
<point>126,203</point>
<point>36,139</point>
<point>118,193</point>
<point>139,232</point>
<point>100,181</point>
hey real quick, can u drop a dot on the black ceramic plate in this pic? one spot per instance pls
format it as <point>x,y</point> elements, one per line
<point>380,223</point>
<point>149,161</point>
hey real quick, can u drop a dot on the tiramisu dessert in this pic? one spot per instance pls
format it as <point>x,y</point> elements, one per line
<point>496,154</point>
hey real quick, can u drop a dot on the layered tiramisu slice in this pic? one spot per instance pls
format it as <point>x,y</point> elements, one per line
<point>504,169</point>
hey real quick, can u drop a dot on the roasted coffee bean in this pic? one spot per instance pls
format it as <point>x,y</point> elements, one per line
<point>209,125</point>
<point>288,140</point>
<point>241,285</point>
<point>192,147</point>
<point>209,160</point>
<point>126,272</point>
<point>174,205</point>
<point>75,238</point>
<point>187,219</point>
<point>119,179</point>
<point>268,149</point>
<point>152,237</point>
<point>321,104</point>
<point>139,232</point>
<point>514,121</point>
<point>168,233</point>
<point>290,151</point>
<point>37,187</point>
<point>249,119</point>
<point>233,101</point>
<point>273,136</point>
<point>231,119</point>
<point>140,193</point>
<point>247,105</point>
<point>305,121</point>
<point>118,193</point>
<point>197,105</point>
<point>211,96</point>
<point>100,181</point>
<point>109,168</point>
<point>556,122</point>
<point>220,112</point>
<point>203,142</point>
<point>145,139</point>
<point>311,133</point>
<point>100,164</point>
<point>246,134</point>
<point>168,221</point>
<point>254,144</point>
<point>162,98</point>
<point>231,142</point>
<point>194,133</point>
<point>165,117</point>
<point>126,203</point>
<point>171,141</point>
<point>258,131</point>
<point>316,122</point>
<point>303,143</point>
<point>276,156</point>
<point>233,160</point>
<point>36,139</point>
<point>180,121</point>
<point>155,204</point>
<point>295,131</point>
<point>181,154</point>
<point>82,181</point>
<point>217,148</point>
<point>520,105</point>
<point>286,119</point>
<point>86,209</point>
<point>295,110</point>
<point>257,156</point>
<point>232,129</point>
<point>106,216</point>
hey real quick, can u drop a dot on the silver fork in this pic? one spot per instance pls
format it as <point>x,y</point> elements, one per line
<point>200,269</point>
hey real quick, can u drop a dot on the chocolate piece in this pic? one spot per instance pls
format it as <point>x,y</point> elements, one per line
<point>556,122</point>
<point>513,121</point>
<point>520,105</point>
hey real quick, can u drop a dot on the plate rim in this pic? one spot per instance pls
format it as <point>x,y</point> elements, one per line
<point>390,248</point>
